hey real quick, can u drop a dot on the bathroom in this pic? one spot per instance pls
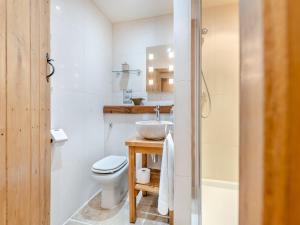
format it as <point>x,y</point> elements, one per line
<point>108,59</point>
<point>75,150</point>
<point>89,81</point>
<point>149,112</point>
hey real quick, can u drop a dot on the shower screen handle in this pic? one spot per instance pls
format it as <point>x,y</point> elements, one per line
<point>49,61</point>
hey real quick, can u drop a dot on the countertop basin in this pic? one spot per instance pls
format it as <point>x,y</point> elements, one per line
<point>153,129</point>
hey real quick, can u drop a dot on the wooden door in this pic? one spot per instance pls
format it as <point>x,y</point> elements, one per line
<point>24,113</point>
<point>270,112</point>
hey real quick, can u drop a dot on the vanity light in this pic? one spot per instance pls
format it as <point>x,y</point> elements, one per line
<point>171,68</point>
<point>58,8</point>
<point>150,69</point>
<point>171,55</point>
<point>150,82</point>
<point>171,81</point>
<point>151,56</point>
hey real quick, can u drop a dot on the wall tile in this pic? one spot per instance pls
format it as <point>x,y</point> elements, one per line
<point>81,43</point>
<point>183,128</point>
<point>220,131</point>
<point>220,162</point>
<point>130,40</point>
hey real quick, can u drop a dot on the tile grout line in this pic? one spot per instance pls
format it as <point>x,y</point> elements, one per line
<point>78,221</point>
<point>88,222</point>
<point>81,207</point>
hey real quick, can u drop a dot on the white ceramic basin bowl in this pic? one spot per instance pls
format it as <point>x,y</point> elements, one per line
<point>153,129</point>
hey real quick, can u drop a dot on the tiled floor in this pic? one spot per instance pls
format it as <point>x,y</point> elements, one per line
<point>92,214</point>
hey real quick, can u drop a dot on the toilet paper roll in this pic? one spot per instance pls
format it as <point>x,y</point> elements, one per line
<point>143,176</point>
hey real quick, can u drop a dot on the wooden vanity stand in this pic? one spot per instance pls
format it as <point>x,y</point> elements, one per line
<point>144,147</point>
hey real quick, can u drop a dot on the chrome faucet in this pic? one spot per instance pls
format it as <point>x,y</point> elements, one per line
<point>157,111</point>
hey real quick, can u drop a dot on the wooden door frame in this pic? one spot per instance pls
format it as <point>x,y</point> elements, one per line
<point>269,112</point>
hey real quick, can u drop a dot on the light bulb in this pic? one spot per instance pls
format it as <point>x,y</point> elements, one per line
<point>150,69</point>
<point>150,82</point>
<point>171,55</point>
<point>151,56</point>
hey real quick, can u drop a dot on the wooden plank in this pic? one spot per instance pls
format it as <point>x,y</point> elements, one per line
<point>144,161</point>
<point>24,190</point>
<point>153,186</point>
<point>270,108</point>
<point>18,113</point>
<point>144,165</point>
<point>35,118</point>
<point>275,107</point>
<point>131,184</point>
<point>171,217</point>
<point>293,187</point>
<point>147,150</point>
<point>3,112</point>
<point>140,142</point>
<point>123,109</point>
<point>45,151</point>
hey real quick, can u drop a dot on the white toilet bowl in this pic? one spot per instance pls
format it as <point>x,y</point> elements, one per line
<point>111,173</point>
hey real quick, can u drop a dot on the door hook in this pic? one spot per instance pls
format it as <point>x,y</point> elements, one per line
<point>49,61</point>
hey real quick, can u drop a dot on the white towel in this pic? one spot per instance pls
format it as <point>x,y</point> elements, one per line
<point>166,185</point>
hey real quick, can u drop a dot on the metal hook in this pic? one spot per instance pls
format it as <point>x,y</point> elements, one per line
<point>49,61</point>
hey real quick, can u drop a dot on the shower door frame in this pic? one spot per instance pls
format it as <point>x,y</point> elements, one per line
<point>196,60</point>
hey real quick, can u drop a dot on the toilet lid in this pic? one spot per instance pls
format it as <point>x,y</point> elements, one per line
<point>109,164</point>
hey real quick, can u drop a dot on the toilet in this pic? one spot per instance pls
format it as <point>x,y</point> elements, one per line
<point>111,173</point>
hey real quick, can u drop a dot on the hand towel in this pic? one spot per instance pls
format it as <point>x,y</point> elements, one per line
<point>166,185</point>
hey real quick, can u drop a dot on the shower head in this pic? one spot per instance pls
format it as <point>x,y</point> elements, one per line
<point>204,30</point>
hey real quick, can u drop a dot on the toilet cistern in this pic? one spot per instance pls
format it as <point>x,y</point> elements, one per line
<point>157,111</point>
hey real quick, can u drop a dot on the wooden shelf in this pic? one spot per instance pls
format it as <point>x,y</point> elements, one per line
<point>153,186</point>
<point>144,147</point>
<point>135,109</point>
<point>140,142</point>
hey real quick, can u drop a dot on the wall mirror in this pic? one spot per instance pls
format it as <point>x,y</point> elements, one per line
<point>160,68</point>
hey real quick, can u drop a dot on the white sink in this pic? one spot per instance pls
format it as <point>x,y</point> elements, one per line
<point>153,129</point>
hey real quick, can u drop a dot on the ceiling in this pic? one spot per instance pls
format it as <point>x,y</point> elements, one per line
<point>126,10</point>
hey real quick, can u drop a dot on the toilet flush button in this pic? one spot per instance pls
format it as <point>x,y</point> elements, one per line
<point>58,135</point>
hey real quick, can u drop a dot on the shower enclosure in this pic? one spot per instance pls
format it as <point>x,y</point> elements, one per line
<point>215,111</point>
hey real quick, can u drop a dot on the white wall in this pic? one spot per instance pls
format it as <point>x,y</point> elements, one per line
<point>220,131</point>
<point>81,43</point>
<point>130,40</point>
<point>182,32</point>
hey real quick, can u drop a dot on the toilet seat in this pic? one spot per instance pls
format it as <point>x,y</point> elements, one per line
<point>109,165</point>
